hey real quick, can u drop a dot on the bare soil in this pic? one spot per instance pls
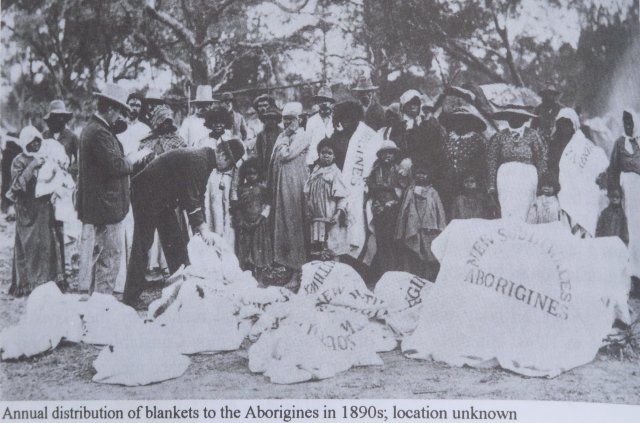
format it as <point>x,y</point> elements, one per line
<point>66,372</point>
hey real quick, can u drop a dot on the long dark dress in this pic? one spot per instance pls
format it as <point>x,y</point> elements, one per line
<point>37,255</point>
<point>384,185</point>
<point>462,155</point>
<point>288,172</point>
<point>254,244</point>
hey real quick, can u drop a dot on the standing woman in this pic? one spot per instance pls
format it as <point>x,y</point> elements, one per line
<point>288,172</point>
<point>37,255</point>
<point>580,165</point>
<point>624,172</point>
<point>516,157</point>
<point>463,151</point>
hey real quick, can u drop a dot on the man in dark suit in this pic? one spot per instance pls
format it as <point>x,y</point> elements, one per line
<point>177,178</point>
<point>103,191</point>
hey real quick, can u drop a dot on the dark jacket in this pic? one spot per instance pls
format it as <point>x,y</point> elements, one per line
<point>103,181</point>
<point>374,115</point>
<point>177,178</point>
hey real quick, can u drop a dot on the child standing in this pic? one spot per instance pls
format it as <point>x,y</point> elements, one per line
<point>384,190</point>
<point>546,207</point>
<point>219,189</point>
<point>421,219</point>
<point>326,195</point>
<point>612,220</point>
<point>253,239</point>
<point>473,202</point>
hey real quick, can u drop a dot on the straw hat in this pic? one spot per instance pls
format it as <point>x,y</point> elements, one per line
<point>116,95</point>
<point>467,113</point>
<point>204,94</point>
<point>293,108</point>
<point>324,94</point>
<point>364,84</point>
<point>57,107</point>
<point>505,114</point>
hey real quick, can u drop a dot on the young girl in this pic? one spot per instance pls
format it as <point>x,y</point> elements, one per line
<point>421,219</point>
<point>546,207</point>
<point>218,196</point>
<point>384,185</point>
<point>612,220</point>
<point>253,239</point>
<point>472,202</point>
<point>326,203</point>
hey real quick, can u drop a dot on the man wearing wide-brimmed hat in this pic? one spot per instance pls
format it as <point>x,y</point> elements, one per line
<point>239,125</point>
<point>364,90</point>
<point>57,118</point>
<point>320,125</point>
<point>192,129</point>
<point>103,190</point>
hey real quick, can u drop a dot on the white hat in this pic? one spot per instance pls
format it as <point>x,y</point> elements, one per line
<point>116,94</point>
<point>408,96</point>
<point>204,94</point>
<point>292,109</point>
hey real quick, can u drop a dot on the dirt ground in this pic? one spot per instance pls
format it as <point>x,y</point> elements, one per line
<point>66,372</point>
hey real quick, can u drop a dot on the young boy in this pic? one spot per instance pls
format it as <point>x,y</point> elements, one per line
<point>326,203</point>
<point>612,220</point>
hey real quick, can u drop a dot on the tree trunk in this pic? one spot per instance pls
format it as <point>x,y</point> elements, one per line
<point>199,70</point>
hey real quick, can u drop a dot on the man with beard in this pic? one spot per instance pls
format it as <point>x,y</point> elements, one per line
<point>364,91</point>
<point>57,119</point>
<point>356,145</point>
<point>320,125</point>
<point>192,129</point>
<point>255,122</point>
<point>136,129</point>
<point>239,128</point>
<point>103,191</point>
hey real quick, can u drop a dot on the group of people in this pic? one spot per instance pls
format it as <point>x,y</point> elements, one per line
<point>350,180</point>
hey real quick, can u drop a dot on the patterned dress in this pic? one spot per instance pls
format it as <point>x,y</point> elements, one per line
<point>462,155</point>
<point>254,244</point>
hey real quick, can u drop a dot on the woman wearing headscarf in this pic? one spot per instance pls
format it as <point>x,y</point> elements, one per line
<point>288,173</point>
<point>463,151</point>
<point>163,136</point>
<point>37,255</point>
<point>624,172</point>
<point>580,165</point>
<point>515,158</point>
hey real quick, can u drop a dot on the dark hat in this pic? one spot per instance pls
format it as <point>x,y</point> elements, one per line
<point>464,113</point>
<point>217,113</point>
<point>226,96</point>
<point>233,147</point>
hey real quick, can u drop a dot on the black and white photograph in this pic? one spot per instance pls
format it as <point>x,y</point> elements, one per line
<point>319,200</point>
